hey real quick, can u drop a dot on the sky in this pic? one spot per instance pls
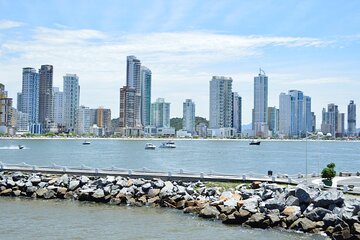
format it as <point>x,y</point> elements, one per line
<point>307,45</point>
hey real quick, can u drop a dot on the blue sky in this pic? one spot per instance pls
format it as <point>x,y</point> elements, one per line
<point>313,46</point>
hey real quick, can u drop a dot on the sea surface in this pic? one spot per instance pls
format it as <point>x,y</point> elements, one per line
<point>217,156</point>
<point>64,219</point>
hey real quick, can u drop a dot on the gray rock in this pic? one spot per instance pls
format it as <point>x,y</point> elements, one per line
<point>98,194</point>
<point>305,194</point>
<point>20,184</point>
<point>42,184</point>
<point>41,191</point>
<point>16,176</point>
<point>167,190</point>
<point>209,212</point>
<point>10,183</point>
<point>28,184</point>
<point>74,184</point>
<point>210,192</point>
<point>355,229</point>
<point>181,190</point>
<point>31,189</point>
<point>17,193</point>
<point>35,180</point>
<point>6,192</point>
<point>292,201</point>
<point>317,214</point>
<point>146,187</point>
<point>138,182</point>
<point>330,219</point>
<point>158,183</point>
<point>292,210</point>
<point>251,205</point>
<point>275,204</point>
<point>274,219</point>
<point>329,197</point>
<point>84,179</point>
<point>231,203</point>
<point>110,179</point>
<point>245,194</point>
<point>64,179</point>
<point>257,221</point>
<point>303,224</point>
<point>49,194</point>
<point>122,183</point>
<point>153,192</point>
<point>190,190</point>
<point>267,194</point>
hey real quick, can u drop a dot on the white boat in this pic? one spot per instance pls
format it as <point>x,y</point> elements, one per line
<point>86,143</point>
<point>21,146</point>
<point>150,146</point>
<point>168,144</point>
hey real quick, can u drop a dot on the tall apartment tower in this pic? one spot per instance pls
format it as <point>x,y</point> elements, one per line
<point>273,120</point>
<point>71,101</point>
<point>133,80</point>
<point>103,118</point>
<point>189,116</point>
<point>30,95</point>
<point>160,114</point>
<point>127,102</point>
<point>145,95</point>
<point>236,112</point>
<point>295,113</point>
<point>221,102</point>
<point>330,120</point>
<point>58,106</point>
<point>6,113</point>
<point>45,94</point>
<point>351,120</point>
<point>82,120</point>
<point>260,105</point>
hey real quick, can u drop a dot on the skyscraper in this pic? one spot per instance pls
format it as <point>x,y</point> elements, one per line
<point>127,102</point>
<point>58,106</point>
<point>103,118</point>
<point>330,120</point>
<point>133,80</point>
<point>82,120</point>
<point>189,116</point>
<point>295,113</point>
<point>71,100</point>
<point>6,113</point>
<point>145,95</point>
<point>30,95</point>
<point>160,114</point>
<point>273,120</point>
<point>45,95</point>
<point>221,102</point>
<point>236,112</point>
<point>19,101</point>
<point>260,105</point>
<point>351,120</point>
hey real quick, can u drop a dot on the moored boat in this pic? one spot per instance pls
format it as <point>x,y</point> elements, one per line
<point>150,146</point>
<point>254,142</point>
<point>86,143</point>
<point>168,144</point>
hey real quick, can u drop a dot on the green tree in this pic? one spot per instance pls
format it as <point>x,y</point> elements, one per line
<point>329,172</point>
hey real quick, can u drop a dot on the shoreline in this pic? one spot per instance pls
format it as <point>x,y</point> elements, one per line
<point>256,205</point>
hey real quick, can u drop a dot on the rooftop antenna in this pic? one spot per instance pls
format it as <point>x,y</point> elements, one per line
<point>262,71</point>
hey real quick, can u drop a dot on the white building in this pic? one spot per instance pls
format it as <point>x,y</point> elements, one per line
<point>83,120</point>
<point>133,80</point>
<point>221,104</point>
<point>160,114</point>
<point>71,100</point>
<point>22,122</point>
<point>260,113</point>
<point>58,106</point>
<point>189,116</point>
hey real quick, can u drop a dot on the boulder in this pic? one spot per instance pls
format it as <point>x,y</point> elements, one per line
<point>245,194</point>
<point>275,203</point>
<point>98,194</point>
<point>305,194</point>
<point>267,194</point>
<point>226,210</point>
<point>329,197</point>
<point>84,179</point>
<point>146,187</point>
<point>257,221</point>
<point>255,185</point>
<point>303,224</point>
<point>30,190</point>
<point>167,190</point>
<point>330,219</point>
<point>251,205</point>
<point>6,192</point>
<point>355,229</point>
<point>41,191</point>
<point>16,176</point>
<point>35,180</point>
<point>158,183</point>
<point>153,192</point>
<point>192,210</point>
<point>292,201</point>
<point>210,192</point>
<point>61,190</point>
<point>153,200</point>
<point>274,219</point>
<point>190,190</point>
<point>209,212</point>
<point>17,193</point>
<point>292,210</point>
<point>64,179</point>
<point>10,183</point>
<point>138,182</point>
<point>42,184</point>
<point>49,194</point>
<point>74,184</point>
<point>317,214</point>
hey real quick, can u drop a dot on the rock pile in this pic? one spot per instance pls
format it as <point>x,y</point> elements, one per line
<point>266,206</point>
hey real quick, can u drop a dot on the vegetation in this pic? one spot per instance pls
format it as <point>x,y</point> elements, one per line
<point>329,172</point>
<point>222,185</point>
<point>177,122</point>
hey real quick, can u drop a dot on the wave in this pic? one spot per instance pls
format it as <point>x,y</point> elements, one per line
<point>12,147</point>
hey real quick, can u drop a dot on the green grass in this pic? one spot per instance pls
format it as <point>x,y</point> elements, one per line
<point>223,185</point>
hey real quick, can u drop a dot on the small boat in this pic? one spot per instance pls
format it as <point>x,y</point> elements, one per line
<point>86,143</point>
<point>168,144</point>
<point>253,142</point>
<point>150,146</point>
<point>21,146</point>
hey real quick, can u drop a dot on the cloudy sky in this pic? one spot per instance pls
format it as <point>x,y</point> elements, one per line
<point>312,46</point>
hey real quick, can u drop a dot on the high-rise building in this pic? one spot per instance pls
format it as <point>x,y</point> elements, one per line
<point>83,120</point>
<point>22,122</point>
<point>340,131</point>
<point>295,113</point>
<point>160,114</point>
<point>330,120</point>
<point>45,95</point>
<point>236,112</point>
<point>127,102</point>
<point>71,101</point>
<point>351,118</point>
<point>133,80</point>
<point>145,95</point>
<point>19,101</point>
<point>103,119</point>
<point>273,120</point>
<point>221,102</point>
<point>5,110</point>
<point>313,122</point>
<point>30,95</point>
<point>260,104</point>
<point>58,106</point>
<point>189,116</point>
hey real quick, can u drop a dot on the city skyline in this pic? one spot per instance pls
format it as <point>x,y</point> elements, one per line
<point>305,54</point>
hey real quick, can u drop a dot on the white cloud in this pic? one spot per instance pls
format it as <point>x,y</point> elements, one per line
<point>7,24</point>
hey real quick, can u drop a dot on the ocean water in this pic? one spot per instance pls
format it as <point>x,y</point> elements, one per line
<point>63,219</point>
<point>233,157</point>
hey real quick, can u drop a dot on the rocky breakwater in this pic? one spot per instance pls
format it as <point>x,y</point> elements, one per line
<point>259,205</point>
